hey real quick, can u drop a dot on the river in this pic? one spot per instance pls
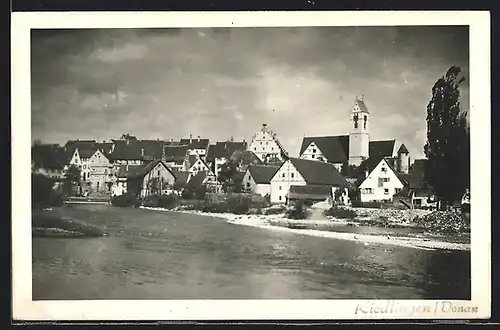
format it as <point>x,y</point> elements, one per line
<point>167,255</point>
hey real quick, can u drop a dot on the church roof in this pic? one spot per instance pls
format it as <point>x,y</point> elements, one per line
<point>381,149</point>
<point>334,148</point>
<point>362,106</point>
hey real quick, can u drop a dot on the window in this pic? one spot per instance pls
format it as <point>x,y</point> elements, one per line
<point>397,190</point>
<point>158,172</point>
<point>384,169</point>
<point>292,175</point>
<point>283,175</point>
<point>248,184</point>
<point>84,166</point>
<point>280,187</point>
<point>267,143</point>
<point>364,124</point>
<point>386,179</point>
<point>254,148</point>
<point>260,142</point>
<point>272,148</point>
<point>279,197</point>
<point>386,191</point>
<point>314,150</point>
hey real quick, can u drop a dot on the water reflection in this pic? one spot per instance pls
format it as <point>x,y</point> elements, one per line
<point>156,255</point>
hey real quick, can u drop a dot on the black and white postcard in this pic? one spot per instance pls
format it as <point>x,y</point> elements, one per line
<point>251,165</point>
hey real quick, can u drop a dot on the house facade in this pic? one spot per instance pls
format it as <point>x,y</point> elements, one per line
<point>301,172</point>
<point>381,184</point>
<point>151,179</point>
<point>101,175</point>
<point>266,146</point>
<point>257,179</point>
<point>197,146</point>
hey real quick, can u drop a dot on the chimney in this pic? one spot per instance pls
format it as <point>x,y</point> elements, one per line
<point>126,167</point>
<point>198,138</point>
<point>366,174</point>
<point>142,152</point>
<point>190,138</point>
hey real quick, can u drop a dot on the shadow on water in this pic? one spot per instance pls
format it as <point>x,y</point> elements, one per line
<point>164,255</point>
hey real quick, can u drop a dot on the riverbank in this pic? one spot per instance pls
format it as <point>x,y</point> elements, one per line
<point>49,223</point>
<point>305,227</point>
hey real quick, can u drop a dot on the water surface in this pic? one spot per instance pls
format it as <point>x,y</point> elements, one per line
<point>166,255</point>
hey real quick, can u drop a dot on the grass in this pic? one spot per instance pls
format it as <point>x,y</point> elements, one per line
<point>48,224</point>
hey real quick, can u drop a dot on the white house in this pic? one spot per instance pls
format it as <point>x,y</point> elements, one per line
<point>381,184</point>
<point>301,172</point>
<point>257,179</point>
<point>151,179</point>
<point>266,146</point>
<point>196,146</point>
<point>100,173</point>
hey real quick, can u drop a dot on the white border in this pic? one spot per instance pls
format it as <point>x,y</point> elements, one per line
<point>26,309</point>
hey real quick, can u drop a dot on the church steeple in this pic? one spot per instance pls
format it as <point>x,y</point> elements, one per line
<point>359,137</point>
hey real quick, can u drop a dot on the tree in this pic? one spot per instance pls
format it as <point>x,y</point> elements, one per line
<point>347,170</point>
<point>447,169</point>
<point>228,173</point>
<point>71,179</point>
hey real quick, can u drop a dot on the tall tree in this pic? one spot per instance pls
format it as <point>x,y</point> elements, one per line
<point>448,141</point>
<point>71,179</point>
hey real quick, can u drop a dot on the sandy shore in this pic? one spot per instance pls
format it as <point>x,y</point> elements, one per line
<point>275,222</point>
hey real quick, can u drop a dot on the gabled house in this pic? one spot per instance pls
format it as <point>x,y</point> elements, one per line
<point>174,156</point>
<point>243,159</point>
<point>381,182</point>
<point>417,194</point>
<point>121,173</point>
<point>266,145</point>
<point>86,148</point>
<point>127,152</point>
<point>221,152</point>
<point>101,175</point>
<point>301,172</point>
<point>196,146</point>
<point>257,179</point>
<point>195,164</point>
<point>153,178</point>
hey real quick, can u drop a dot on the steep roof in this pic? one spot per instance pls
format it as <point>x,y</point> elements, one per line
<point>362,106</point>
<point>86,148</point>
<point>174,153</point>
<point>197,180</point>
<point>381,149</point>
<point>309,192</point>
<point>403,150</point>
<point>105,147</point>
<point>127,150</point>
<point>318,173</point>
<point>370,164</point>
<point>153,149</point>
<point>245,157</point>
<point>196,143</point>
<point>262,173</point>
<point>142,170</point>
<point>224,149</point>
<point>334,148</point>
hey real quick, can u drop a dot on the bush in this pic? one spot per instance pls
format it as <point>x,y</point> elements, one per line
<point>444,222</point>
<point>49,224</point>
<point>238,204</point>
<point>297,211</point>
<point>275,210</point>
<point>340,213</point>
<point>371,205</point>
<point>127,199</point>
<point>42,192</point>
<point>167,201</point>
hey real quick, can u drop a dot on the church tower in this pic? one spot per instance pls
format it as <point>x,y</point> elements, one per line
<point>359,137</point>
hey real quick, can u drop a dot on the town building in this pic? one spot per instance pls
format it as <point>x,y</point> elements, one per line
<point>196,146</point>
<point>381,183</point>
<point>101,174</point>
<point>221,152</point>
<point>257,179</point>
<point>245,158</point>
<point>153,178</point>
<point>302,172</point>
<point>266,145</point>
<point>174,156</point>
<point>86,148</point>
<point>356,147</point>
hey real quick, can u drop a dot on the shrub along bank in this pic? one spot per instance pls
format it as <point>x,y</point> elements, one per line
<point>51,224</point>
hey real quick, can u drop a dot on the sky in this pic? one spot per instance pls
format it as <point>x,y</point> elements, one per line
<point>220,83</point>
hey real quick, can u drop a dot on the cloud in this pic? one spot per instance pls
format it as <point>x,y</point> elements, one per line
<point>224,82</point>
